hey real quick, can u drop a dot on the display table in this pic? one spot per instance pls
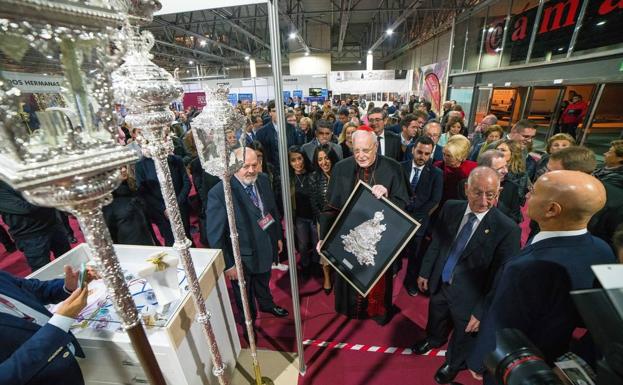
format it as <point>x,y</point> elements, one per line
<point>175,336</point>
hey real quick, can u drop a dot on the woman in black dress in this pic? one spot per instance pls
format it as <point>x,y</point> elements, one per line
<point>324,160</point>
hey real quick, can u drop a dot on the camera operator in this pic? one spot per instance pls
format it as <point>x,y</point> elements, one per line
<point>534,298</point>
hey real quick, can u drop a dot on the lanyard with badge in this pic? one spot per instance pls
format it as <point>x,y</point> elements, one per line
<point>267,219</point>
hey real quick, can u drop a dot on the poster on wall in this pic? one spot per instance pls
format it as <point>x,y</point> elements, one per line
<point>286,95</point>
<point>433,79</point>
<point>242,97</point>
<point>297,94</point>
<point>194,99</point>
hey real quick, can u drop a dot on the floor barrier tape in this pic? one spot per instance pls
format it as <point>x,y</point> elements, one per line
<point>370,348</point>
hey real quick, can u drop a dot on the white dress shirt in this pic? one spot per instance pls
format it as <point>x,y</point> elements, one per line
<point>382,143</point>
<point>551,234</point>
<point>479,217</point>
<point>413,165</point>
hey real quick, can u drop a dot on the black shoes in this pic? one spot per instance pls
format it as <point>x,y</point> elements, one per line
<point>278,311</point>
<point>422,347</point>
<point>412,291</point>
<point>445,374</point>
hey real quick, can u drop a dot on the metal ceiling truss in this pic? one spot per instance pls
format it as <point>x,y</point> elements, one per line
<point>224,37</point>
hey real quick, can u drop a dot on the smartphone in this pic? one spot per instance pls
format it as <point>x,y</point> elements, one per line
<point>83,275</point>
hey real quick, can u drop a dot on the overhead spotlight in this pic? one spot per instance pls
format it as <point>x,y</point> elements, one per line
<point>306,53</point>
<point>389,31</point>
<point>203,43</point>
<point>49,56</point>
<point>190,62</point>
<point>247,57</point>
<point>601,23</point>
<point>358,61</point>
<point>292,35</point>
<point>369,52</point>
<point>270,66</point>
<point>561,49</point>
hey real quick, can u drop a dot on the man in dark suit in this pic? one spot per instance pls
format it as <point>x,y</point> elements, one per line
<point>470,241</point>
<point>37,347</point>
<point>562,203</point>
<point>259,229</point>
<point>509,201</point>
<point>388,142</point>
<point>524,132</point>
<point>148,188</point>
<point>268,136</point>
<point>36,230</point>
<point>433,130</point>
<point>426,186</point>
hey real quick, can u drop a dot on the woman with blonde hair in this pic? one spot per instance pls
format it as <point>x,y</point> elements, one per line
<point>516,163</point>
<point>345,139</point>
<point>455,166</point>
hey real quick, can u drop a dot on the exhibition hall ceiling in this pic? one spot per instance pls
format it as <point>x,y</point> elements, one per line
<point>220,38</point>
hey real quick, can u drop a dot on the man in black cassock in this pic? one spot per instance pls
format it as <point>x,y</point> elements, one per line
<point>385,176</point>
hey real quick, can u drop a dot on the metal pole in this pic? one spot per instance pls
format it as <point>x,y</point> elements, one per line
<point>593,111</point>
<point>159,154</point>
<point>505,34</point>
<point>97,236</point>
<point>535,30</point>
<point>450,51</point>
<point>275,52</point>
<point>578,27</point>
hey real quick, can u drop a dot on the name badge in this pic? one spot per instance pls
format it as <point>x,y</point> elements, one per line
<point>266,221</point>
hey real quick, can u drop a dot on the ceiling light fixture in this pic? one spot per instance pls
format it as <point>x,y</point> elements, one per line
<point>389,31</point>
<point>292,35</point>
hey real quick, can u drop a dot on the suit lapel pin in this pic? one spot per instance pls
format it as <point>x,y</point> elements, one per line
<point>486,231</point>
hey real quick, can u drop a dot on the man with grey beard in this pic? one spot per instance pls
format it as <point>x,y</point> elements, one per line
<point>259,230</point>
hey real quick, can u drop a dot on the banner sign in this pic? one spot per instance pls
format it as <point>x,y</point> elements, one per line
<point>286,95</point>
<point>194,99</point>
<point>233,99</point>
<point>245,97</point>
<point>34,83</point>
<point>298,94</point>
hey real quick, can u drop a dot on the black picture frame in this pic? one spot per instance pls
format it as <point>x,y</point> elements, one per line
<point>360,207</point>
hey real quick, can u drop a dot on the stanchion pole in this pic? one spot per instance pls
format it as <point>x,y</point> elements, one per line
<point>275,51</point>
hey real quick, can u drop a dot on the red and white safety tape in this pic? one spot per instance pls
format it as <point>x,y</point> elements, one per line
<point>370,348</point>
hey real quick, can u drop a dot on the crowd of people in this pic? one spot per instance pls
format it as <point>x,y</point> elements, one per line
<point>468,187</point>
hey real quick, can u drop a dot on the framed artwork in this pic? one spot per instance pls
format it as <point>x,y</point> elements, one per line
<point>366,238</point>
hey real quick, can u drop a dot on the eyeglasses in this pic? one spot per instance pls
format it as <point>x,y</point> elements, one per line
<point>488,195</point>
<point>377,120</point>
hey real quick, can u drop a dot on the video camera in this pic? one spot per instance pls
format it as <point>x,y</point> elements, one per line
<point>516,361</point>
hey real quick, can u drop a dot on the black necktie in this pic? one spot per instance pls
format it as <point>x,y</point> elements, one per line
<point>415,179</point>
<point>251,191</point>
